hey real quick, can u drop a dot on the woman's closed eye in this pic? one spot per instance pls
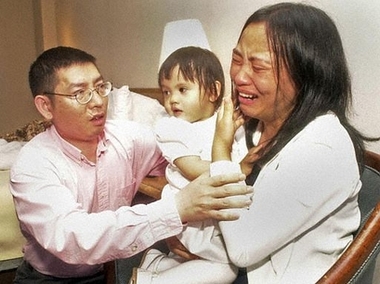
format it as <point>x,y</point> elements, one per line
<point>260,68</point>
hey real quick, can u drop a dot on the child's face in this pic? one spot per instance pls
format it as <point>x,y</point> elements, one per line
<point>184,99</point>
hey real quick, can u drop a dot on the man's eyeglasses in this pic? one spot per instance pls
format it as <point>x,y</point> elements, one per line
<point>84,96</point>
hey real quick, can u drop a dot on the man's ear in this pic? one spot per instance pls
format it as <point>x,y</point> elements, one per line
<point>215,95</point>
<point>44,106</point>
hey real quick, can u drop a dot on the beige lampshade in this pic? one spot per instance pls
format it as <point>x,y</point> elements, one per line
<point>182,33</point>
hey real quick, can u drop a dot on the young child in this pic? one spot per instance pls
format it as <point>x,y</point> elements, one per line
<point>192,83</point>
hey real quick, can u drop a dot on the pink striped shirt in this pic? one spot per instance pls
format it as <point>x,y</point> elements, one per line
<point>75,214</point>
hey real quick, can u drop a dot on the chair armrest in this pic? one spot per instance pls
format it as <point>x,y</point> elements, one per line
<point>372,159</point>
<point>356,254</point>
<point>152,186</point>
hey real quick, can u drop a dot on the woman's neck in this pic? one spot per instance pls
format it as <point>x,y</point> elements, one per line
<point>269,130</point>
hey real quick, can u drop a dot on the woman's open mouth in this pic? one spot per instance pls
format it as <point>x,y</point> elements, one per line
<point>246,98</point>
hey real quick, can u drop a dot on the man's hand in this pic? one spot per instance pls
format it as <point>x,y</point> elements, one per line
<point>206,197</point>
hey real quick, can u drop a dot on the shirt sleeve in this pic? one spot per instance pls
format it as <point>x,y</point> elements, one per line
<point>45,196</point>
<point>151,156</point>
<point>224,167</point>
<point>50,215</point>
<point>176,138</point>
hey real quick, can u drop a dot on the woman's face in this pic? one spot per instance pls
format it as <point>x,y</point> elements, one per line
<point>261,94</point>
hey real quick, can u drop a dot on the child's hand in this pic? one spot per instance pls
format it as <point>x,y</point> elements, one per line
<point>228,121</point>
<point>176,247</point>
<point>249,160</point>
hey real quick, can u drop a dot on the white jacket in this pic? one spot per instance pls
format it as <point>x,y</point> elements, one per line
<point>304,208</point>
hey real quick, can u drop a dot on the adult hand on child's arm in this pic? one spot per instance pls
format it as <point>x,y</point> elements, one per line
<point>206,197</point>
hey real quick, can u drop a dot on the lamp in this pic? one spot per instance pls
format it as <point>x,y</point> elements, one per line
<point>182,33</point>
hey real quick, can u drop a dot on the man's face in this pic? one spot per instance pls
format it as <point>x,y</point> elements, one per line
<point>76,123</point>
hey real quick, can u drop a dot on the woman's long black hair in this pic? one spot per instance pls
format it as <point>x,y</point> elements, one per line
<point>305,40</point>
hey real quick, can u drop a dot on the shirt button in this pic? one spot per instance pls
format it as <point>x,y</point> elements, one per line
<point>134,247</point>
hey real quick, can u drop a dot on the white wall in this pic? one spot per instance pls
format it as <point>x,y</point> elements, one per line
<point>125,36</point>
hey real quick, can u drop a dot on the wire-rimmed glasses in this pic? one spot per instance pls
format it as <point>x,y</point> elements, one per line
<point>84,96</point>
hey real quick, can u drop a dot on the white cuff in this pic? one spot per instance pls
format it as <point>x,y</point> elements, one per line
<point>224,167</point>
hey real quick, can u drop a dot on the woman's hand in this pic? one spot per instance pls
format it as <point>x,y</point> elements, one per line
<point>176,247</point>
<point>210,197</point>
<point>228,121</point>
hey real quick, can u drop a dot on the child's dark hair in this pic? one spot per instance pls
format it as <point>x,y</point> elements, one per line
<point>196,65</point>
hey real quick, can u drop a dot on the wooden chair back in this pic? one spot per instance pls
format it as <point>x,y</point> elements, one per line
<point>357,263</point>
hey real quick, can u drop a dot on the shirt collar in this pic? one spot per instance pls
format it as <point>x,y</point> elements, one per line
<point>73,152</point>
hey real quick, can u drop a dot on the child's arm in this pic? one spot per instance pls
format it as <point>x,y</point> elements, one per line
<point>192,166</point>
<point>180,147</point>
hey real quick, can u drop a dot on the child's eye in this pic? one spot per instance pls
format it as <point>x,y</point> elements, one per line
<point>182,90</point>
<point>165,93</point>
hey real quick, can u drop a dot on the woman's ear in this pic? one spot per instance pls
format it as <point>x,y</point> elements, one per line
<point>44,106</point>
<point>216,93</point>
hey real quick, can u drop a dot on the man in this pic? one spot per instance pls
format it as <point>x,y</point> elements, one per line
<point>73,184</point>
